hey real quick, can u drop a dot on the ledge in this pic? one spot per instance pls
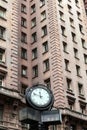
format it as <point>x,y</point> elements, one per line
<point>9,92</point>
<point>75,114</point>
<point>70,92</point>
<point>81,97</point>
<point>2,64</point>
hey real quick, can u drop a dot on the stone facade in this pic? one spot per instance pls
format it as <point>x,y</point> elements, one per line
<point>43,41</point>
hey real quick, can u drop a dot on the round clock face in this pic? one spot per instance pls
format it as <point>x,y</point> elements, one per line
<point>39,97</point>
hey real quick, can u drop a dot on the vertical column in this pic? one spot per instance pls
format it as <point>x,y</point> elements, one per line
<point>56,59</point>
<point>14,45</point>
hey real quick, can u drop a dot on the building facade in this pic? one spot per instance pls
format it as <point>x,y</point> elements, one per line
<point>85,2</point>
<point>44,41</point>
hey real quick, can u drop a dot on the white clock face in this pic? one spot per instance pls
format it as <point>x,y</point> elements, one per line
<point>40,97</point>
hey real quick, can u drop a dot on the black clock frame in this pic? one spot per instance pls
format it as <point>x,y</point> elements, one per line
<point>37,107</point>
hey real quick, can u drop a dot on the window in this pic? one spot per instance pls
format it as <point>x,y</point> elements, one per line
<point>65,47</point>
<point>45,47</point>
<point>86,11</point>
<point>66,65</point>
<point>33,22</point>
<point>71,103</point>
<point>83,108</point>
<point>69,84</point>
<point>80,89</point>
<point>35,71</point>
<point>79,15</point>
<point>42,3</point>
<point>76,53</point>
<point>46,65</point>
<point>23,22</point>
<point>78,70</point>
<point>47,82</point>
<point>24,71</point>
<point>61,15</point>
<point>23,53</point>
<point>71,22</point>
<point>23,8</point>
<point>33,9</point>
<point>73,37</point>
<point>60,1</point>
<point>43,15</point>
<point>5,1</point>
<point>23,37</point>
<point>85,58</point>
<point>34,37</point>
<point>1,112</point>
<point>77,2</point>
<point>34,53</point>
<point>2,55</point>
<point>1,81</point>
<point>23,88</point>
<point>86,72</point>
<point>69,9</point>
<point>71,106</point>
<point>63,30</point>
<point>2,32</point>
<point>44,30</point>
<point>80,28</point>
<point>2,12</point>
<point>84,45</point>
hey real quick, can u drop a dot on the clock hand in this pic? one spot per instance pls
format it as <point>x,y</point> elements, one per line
<point>36,94</point>
<point>40,95</point>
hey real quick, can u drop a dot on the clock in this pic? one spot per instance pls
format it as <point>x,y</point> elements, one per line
<point>39,97</point>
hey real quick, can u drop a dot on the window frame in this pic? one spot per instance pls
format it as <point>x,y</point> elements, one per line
<point>44,30</point>
<point>2,32</point>
<point>23,8</point>
<point>34,53</point>
<point>2,56</point>
<point>69,84</point>
<point>80,89</point>
<point>78,70</point>
<point>23,37</point>
<point>67,65</point>
<point>3,12</point>
<point>45,47</point>
<point>23,22</point>
<point>42,3</point>
<point>46,65</point>
<point>35,71</point>
<point>34,37</point>
<point>43,15</point>
<point>24,71</point>
<point>24,53</point>
<point>33,9</point>
<point>33,22</point>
